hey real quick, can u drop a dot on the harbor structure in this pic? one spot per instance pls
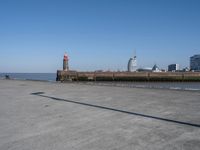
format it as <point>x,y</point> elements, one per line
<point>173,67</point>
<point>195,63</point>
<point>153,74</point>
<point>65,62</point>
<point>127,76</point>
<point>132,64</point>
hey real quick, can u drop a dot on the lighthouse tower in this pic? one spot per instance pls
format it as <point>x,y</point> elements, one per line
<point>65,63</point>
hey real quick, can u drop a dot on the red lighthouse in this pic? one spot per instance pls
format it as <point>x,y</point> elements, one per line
<point>65,62</point>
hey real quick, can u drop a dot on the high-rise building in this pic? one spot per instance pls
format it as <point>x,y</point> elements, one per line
<point>132,64</point>
<point>173,67</point>
<point>195,62</point>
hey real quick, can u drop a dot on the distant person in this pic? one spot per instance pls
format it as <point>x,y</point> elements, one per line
<point>7,76</point>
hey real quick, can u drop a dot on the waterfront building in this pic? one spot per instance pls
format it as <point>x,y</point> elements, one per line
<point>173,67</point>
<point>195,62</point>
<point>186,69</point>
<point>155,69</point>
<point>132,64</point>
<point>147,69</point>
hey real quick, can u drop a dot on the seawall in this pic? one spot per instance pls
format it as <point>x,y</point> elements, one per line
<point>127,76</point>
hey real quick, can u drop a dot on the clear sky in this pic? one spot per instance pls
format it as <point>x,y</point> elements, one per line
<point>97,34</point>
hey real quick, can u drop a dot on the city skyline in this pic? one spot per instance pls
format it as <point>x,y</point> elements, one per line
<point>97,34</point>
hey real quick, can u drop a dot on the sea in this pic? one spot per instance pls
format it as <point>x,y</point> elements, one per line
<point>51,77</point>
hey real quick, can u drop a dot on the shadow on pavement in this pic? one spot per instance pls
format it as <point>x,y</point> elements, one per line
<point>117,110</point>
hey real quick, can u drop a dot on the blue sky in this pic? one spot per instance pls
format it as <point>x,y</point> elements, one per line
<point>97,34</point>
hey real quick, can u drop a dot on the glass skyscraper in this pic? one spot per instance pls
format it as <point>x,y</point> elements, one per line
<point>195,63</point>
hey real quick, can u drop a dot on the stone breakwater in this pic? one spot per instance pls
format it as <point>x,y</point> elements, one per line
<point>127,76</point>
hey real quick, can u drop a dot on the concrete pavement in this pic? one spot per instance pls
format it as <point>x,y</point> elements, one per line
<point>54,116</point>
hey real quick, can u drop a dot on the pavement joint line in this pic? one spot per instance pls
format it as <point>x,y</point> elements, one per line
<point>41,94</point>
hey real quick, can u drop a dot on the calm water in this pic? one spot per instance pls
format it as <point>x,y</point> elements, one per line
<point>31,76</point>
<point>158,85</point>
<point>194,86</point>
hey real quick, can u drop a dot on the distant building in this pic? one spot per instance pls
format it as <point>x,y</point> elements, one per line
<point>163,70</point>
<point>98,71</point>
<point>173,67</point>
<point>144,70</point>
<point>195,63</point>
<point>186,69</point>
<point>132,64</point>
<point>155,69</point>
<point>147,69</point>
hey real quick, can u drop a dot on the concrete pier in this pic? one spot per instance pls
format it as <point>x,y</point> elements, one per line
<point>54,116</point>
<point>127,76</point>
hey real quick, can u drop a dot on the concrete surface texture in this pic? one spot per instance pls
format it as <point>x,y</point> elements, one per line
<point>55,116</point>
